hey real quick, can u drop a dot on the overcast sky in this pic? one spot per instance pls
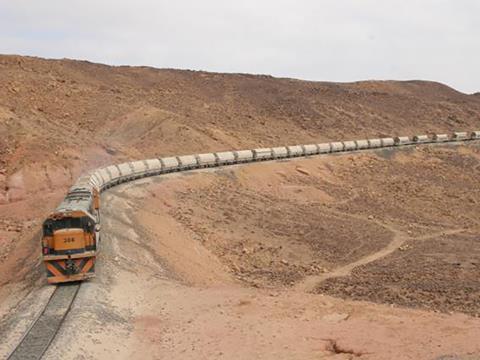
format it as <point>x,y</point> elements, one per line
<point>336,40</point>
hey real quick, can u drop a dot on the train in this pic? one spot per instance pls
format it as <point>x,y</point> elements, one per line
<point>71,233</point>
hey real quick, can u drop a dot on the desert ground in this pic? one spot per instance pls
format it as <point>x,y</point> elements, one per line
<point>371,254</point>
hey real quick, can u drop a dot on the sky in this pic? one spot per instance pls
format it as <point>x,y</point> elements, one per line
<point>322,40</point>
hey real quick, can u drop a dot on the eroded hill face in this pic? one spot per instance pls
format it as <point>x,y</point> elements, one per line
<point>396,227</point>
<point>62,111</point>
<point>390,226</point>
<point>61,117</point>
<point>207,262</point>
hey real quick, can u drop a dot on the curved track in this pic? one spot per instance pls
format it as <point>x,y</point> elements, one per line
<point>36,341</point>
<point>104,178</point>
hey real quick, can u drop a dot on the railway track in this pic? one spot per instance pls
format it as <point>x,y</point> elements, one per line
<point>104,178</point>
<point>44,329</point>
<point>38,338</point>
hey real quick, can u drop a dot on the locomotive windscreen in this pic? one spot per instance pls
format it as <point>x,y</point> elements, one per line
<point>52,225</point>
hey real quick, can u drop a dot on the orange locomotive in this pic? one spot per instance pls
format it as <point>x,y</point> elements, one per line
<point>71,234</point>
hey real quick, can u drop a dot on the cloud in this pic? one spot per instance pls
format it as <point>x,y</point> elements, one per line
<point>331,40</point>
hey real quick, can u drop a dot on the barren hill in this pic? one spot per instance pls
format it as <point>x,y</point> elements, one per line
<point>75,108</point>
<point>270,248</point>
<point>61,117</point>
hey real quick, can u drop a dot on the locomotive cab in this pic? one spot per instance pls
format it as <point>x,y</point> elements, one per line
<point>70,237</point>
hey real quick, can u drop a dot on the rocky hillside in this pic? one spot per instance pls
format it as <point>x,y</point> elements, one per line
<point>59,118</point>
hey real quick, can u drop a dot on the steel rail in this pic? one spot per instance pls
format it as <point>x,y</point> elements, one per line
<point>38,338</point>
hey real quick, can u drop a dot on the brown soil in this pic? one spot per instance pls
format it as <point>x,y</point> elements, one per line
<point>60,117</point>
<point>409,217</point>
<point>136,308</point>
<point>328,224</point>
<point>439,273</point>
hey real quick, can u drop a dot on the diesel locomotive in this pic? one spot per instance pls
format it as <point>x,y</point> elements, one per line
<point>71,234</point>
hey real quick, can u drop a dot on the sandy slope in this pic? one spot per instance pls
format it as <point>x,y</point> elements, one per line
<point>59,118</point>
<point>165,291</point>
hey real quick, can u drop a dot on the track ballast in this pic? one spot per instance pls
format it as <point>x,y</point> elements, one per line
<point>37,340</point>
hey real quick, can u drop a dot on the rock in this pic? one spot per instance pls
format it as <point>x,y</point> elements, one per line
<point>246,251</point>
<point>235,267</point>
<point>404,247</point>
<point>111,150</point>
<point>303,171</point>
